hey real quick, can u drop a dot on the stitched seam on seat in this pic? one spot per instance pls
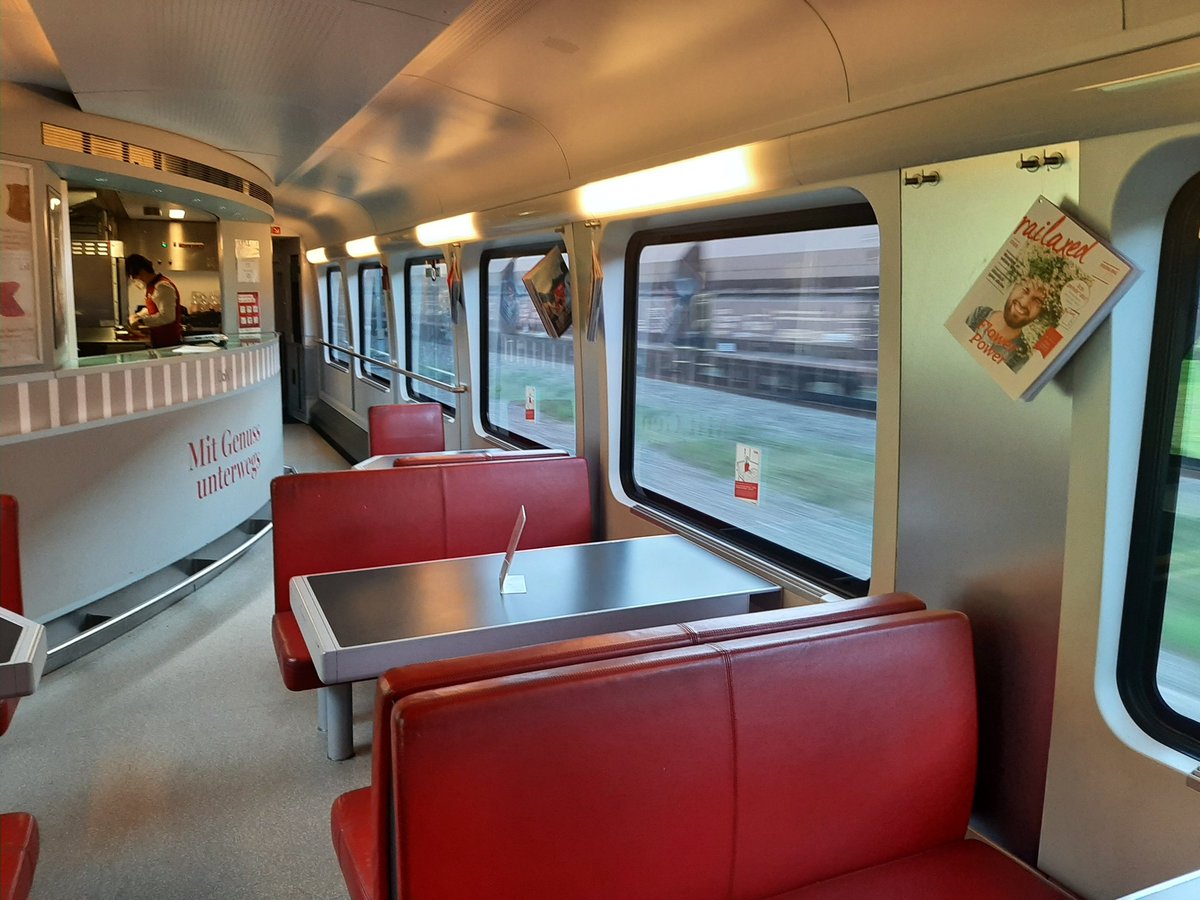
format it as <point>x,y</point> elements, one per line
<point>727,659</point>
<point>692,633</point>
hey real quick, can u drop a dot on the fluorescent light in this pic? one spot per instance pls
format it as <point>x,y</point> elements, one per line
<point>176,213</point>
<point>712,175</point>
<point>367,246</point>
<point>316,257</point>
<point>1144,80</point>
<point>448,231</point>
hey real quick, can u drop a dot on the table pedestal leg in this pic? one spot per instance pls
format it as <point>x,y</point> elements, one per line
<point>322,711</point>
<point>339,721</point>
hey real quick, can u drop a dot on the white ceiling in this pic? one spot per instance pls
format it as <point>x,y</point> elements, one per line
<point>371,115</point>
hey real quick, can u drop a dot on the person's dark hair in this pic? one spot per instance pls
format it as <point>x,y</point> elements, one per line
<point>137,264</point>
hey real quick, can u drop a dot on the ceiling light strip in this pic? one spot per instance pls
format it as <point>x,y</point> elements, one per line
<point>61,138</point>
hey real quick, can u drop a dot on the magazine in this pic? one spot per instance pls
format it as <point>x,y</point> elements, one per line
<point>596,310</point>
<point>550,292</point>
<point>1042,294</point>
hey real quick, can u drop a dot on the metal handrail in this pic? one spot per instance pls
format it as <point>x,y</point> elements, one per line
<point>452,388</point>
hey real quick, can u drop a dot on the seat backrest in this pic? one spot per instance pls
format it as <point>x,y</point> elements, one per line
<point>405,428</point>
<point>741,768</point>
<point>466,456</point>
<point>10,581</point>
<point>405,680</point>
<point>483,499</point>
<point>10,556</point>
<point>333,521</point>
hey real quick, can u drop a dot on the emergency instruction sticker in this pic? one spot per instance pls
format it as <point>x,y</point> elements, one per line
<point>747,473</point>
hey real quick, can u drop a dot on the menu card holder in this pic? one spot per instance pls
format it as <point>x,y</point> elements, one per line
<point>514,584</point>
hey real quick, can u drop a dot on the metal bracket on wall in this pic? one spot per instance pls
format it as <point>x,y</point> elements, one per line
<point>921,178</point>
<point>1035,162</point>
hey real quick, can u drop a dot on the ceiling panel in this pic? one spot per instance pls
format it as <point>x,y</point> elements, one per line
<point>605,78</point>
<point>272,78</point>
<point>438,151</point>
<point>897,45</point>
<point>1150,12</point>
<point>25,54</point>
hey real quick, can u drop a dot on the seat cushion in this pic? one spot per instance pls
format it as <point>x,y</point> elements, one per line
<point>18,854</point>
<point>356,843</point>
<point>950,872</point>
<point>295,662</point>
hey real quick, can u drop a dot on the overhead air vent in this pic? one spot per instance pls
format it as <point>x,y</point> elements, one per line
<point>122,151</point>
<point>98,248</point>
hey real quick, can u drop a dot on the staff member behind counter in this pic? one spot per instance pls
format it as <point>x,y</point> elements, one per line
<point>162,317</point>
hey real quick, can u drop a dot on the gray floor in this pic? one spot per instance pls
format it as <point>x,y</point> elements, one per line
<point>174,763</point>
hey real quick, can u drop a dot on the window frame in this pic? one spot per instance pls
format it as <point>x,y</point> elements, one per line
<point>489,427</point>
<point>820,218</point>
<point>363,371</point>
<point>411,384</point>
<point>1152,529</point>
<point>336,358</point>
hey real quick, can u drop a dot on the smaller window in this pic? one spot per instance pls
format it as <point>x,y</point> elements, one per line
<point>527,378</point>
<point>335,317</point>
<point>1158,664</point>
<point>373,332</point>
<point>429,330</point>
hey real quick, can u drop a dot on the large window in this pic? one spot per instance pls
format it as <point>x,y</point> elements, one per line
<point>374,336</point>
<point>429,335</point>
<point>528,377</point>
<point>1159,660</point>
<point>753,344</point>
<point>335,316</point>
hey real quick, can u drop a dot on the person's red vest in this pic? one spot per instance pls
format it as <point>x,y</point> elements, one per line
<point>170,334</point>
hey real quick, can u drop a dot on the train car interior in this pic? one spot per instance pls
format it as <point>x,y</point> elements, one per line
<point>561,458</point>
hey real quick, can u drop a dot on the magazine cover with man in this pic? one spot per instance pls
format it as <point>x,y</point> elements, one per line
<point>549,290</point>
<point>1039,298</point>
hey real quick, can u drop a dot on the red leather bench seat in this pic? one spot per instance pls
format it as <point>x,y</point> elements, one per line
<point>18,854</point>
<point>333,521</point>
<point>748,767</point>
<point>360,819</point>
<point>405,428</point>
<point>10,582</point>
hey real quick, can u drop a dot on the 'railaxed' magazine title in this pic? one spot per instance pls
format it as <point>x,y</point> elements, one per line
<point>1042,294</point>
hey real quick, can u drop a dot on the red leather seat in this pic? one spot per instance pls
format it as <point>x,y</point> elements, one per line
<point>953,871</point>
<point>10,581</point>
<point>18,854</point>
<point>406,428</point>
<point>836,759</point>
<point>360,819</point>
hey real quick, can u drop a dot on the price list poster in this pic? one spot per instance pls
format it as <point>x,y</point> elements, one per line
<point>19,345</point>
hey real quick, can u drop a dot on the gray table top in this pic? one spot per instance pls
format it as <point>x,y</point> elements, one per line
<point>451,607</point>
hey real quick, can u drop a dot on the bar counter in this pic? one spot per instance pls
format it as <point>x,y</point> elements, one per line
<point>126,463</point>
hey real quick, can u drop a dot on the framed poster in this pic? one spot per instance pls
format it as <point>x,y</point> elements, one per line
<point>58,295</point>
<point>19,344</point>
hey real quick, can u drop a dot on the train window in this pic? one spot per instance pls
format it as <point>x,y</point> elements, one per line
<point>755,342</point>
<point>374,337</point>
<point>429,332</point>
<point>335,309</point>
<point>527,376</point>
<point>1158,665</point>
